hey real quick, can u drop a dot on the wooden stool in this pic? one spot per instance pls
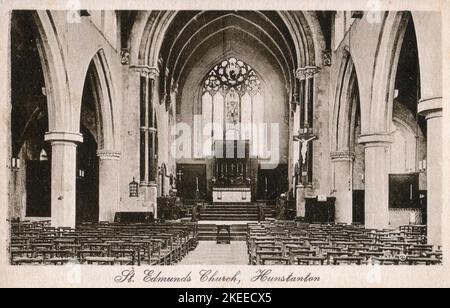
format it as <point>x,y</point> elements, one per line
<point>224,239</point>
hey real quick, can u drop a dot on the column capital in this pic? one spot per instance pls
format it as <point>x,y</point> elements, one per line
<point>342,156</point>
<point>430,107</point>
<point>376,139</point>
<point>307,72</point>
<point>146,71</point>
<point>64,137</point>
<point>109,154</point>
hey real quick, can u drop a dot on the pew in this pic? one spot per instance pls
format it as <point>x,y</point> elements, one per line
<point>102,244</point>
<point>337,244</point>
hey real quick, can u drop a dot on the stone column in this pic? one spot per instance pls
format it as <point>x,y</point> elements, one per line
<point>64,164</point>
<point>343,188</point>
<point>295,150</point>
<point>152,187</point>
<point>148,186</point>
<point>377,165</point>
<point>432,110</point>
<point>306,74</point>
<point>109,181</point>
<point>306,77</point>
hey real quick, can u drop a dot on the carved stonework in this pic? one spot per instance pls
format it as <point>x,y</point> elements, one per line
<point>125,56</point>
<point>109,154</point>
<point>327,58</point>
<point>153,73</point>
<point>343,156</point>
<point>307,72</point>
<point>146,71</point>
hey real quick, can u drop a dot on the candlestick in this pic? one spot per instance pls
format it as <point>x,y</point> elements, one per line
<point>197,191</point>
<point>265,190</point>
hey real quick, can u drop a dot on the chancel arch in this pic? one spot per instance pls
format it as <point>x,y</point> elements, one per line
<point>268,99</point>
<point>178,61</point>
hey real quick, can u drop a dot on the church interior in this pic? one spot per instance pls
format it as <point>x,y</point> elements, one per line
<point>224,137</point>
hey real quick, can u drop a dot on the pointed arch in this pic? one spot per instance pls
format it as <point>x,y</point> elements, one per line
<point>386,65</point>
<point>345,107</point>
<point>99,75</point>
<point>55,74</point>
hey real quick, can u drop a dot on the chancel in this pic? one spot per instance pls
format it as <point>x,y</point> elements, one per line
<point>304,137</point>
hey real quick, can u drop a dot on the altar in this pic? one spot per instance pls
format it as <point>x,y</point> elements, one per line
<point>232,173</point>
<point>232,195</point>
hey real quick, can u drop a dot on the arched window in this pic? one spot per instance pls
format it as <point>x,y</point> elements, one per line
<point>232,103</point>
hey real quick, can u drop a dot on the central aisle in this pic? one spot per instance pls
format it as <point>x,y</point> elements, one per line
<point>209,253</point>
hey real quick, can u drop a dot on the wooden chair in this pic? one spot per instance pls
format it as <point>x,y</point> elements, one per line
<point>125,256</point>
<point>100,260</point>
<point>262,254</point>
<point>310,260</point>
<point>275,261</point>
<point>348,260</point>
<point>423,261</point>
<point>387,261</point>
<point>20,257</point>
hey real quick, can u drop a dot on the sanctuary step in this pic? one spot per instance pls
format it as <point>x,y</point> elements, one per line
<point>208,232</point>
<point>233,212</point>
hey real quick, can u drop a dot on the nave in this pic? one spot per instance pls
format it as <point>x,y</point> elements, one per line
<point>195,119</point>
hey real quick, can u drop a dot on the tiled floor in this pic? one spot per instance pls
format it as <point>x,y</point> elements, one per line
<point>209,253</point>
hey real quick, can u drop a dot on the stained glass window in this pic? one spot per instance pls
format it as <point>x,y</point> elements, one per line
<point>233,100</point>
<point>232,74</point>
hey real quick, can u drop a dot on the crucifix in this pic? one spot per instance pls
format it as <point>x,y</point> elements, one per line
<point>304,138</point>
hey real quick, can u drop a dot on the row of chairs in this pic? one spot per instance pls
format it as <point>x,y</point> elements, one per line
<point>290,243</point>
<point>103,244</point>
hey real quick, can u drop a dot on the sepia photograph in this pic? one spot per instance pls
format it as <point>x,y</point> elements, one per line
<point>138,140</point>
